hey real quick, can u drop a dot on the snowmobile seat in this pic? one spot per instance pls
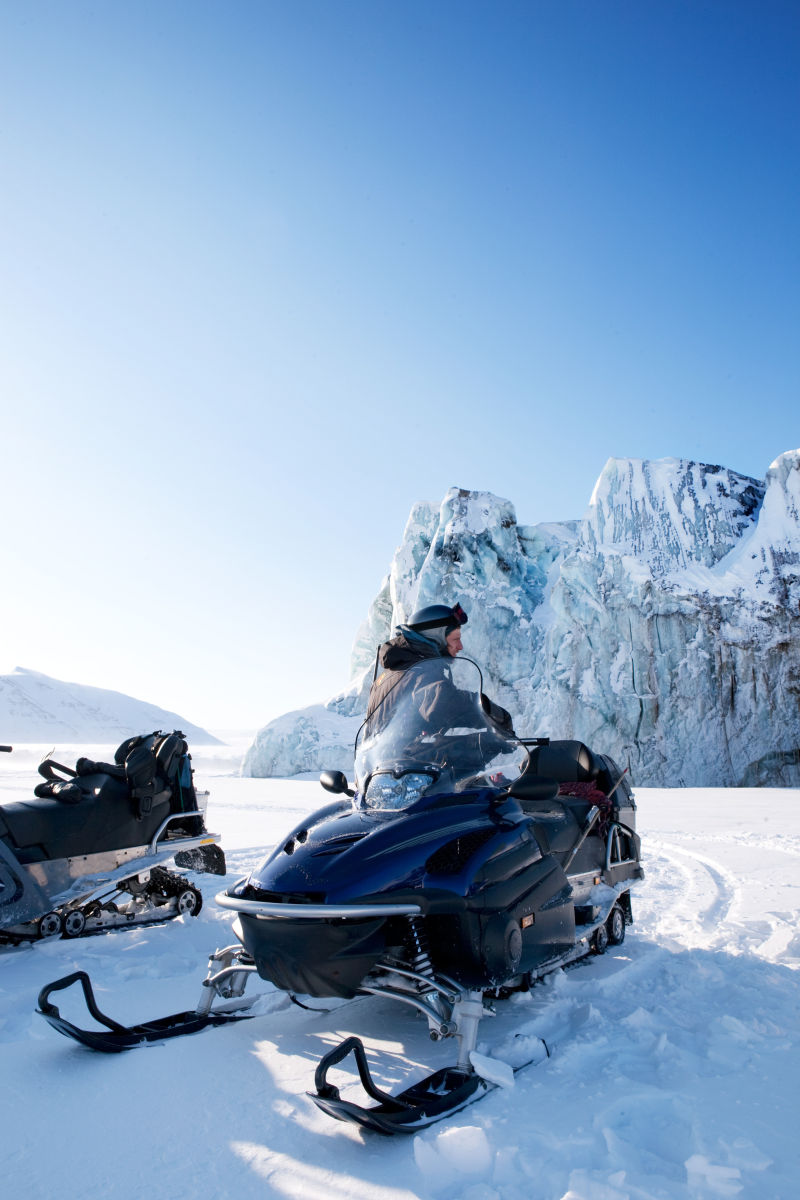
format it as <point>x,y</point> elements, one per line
<point>102,819</point>
<point>577,771</point>
<point>566,761</point>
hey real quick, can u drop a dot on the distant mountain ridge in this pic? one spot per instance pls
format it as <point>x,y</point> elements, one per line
<point>36,708</point>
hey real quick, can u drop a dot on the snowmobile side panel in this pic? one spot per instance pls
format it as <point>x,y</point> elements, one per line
<point>21,896</point>
<point>509,926</point>
<point>66,879</point>
<point>64,885</point>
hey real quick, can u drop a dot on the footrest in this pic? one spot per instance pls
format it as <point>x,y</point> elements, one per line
<point>442,1093</point>
<point>116,1037</point>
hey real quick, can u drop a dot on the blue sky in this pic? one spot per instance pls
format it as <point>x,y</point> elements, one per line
<point>272,272</point>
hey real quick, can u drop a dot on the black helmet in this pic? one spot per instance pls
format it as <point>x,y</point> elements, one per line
<point>436,615</point>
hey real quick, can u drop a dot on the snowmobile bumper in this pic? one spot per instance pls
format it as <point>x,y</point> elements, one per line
<point>431,1099</point>
<point>315,949</point>
<point>286,910</point>
<point>115,1037</point>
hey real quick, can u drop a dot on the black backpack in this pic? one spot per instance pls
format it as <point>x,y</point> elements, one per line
<point>156,763</point>
<point>155,766</point>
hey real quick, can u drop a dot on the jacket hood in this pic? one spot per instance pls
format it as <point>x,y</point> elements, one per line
<point>405,648</point>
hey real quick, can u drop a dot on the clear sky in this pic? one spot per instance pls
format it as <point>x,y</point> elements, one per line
<point>271,271</point>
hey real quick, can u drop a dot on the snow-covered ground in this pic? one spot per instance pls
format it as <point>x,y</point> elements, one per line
<point>674,1058</point>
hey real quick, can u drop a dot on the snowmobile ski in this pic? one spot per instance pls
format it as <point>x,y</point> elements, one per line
<point>431,1099</point>
<point>439,1095</point>
<point>228,972</point>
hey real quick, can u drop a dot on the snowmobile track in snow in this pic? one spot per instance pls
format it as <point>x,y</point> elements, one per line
<point>707,892</point>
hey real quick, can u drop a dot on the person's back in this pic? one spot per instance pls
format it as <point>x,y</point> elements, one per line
<point>432,636</point>
<point>391,683</point>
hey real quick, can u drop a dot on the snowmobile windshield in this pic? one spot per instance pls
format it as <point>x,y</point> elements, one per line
<point>429,735</point>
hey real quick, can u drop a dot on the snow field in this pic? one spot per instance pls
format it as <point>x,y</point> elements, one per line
<point>672,1068</point>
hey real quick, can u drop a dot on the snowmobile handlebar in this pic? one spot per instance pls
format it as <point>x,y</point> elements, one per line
<point>6,749</point>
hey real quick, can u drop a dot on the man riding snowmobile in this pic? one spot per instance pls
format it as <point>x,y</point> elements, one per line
<point>464,864</point>
<point>432,636</point>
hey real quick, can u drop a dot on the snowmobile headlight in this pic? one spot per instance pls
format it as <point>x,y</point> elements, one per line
<point>388,791</point>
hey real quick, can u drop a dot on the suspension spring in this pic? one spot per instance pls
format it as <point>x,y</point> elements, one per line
<point>420,957</point>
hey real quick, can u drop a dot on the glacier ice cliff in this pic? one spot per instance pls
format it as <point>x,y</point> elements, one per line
<point>662,628</point>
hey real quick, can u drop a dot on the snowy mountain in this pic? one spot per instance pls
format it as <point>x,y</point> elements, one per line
<point>661,628</point>
<point>36,708</point>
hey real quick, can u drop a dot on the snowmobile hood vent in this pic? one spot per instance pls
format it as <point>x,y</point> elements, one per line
<point>292,843</point>
<point>451,858</point>
<point>338,844</point>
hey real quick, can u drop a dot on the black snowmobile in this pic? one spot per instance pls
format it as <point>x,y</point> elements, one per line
<point>467,864</point>
<point>87,852</point>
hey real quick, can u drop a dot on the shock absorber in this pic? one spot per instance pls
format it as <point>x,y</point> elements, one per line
<point>420,958</point>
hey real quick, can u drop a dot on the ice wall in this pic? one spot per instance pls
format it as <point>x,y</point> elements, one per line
<point>662,628</point>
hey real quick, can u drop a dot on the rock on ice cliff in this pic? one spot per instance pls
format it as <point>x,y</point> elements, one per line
<point>662,628</point>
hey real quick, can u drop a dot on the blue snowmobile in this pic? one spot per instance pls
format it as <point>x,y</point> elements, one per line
<point>465,864</point>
